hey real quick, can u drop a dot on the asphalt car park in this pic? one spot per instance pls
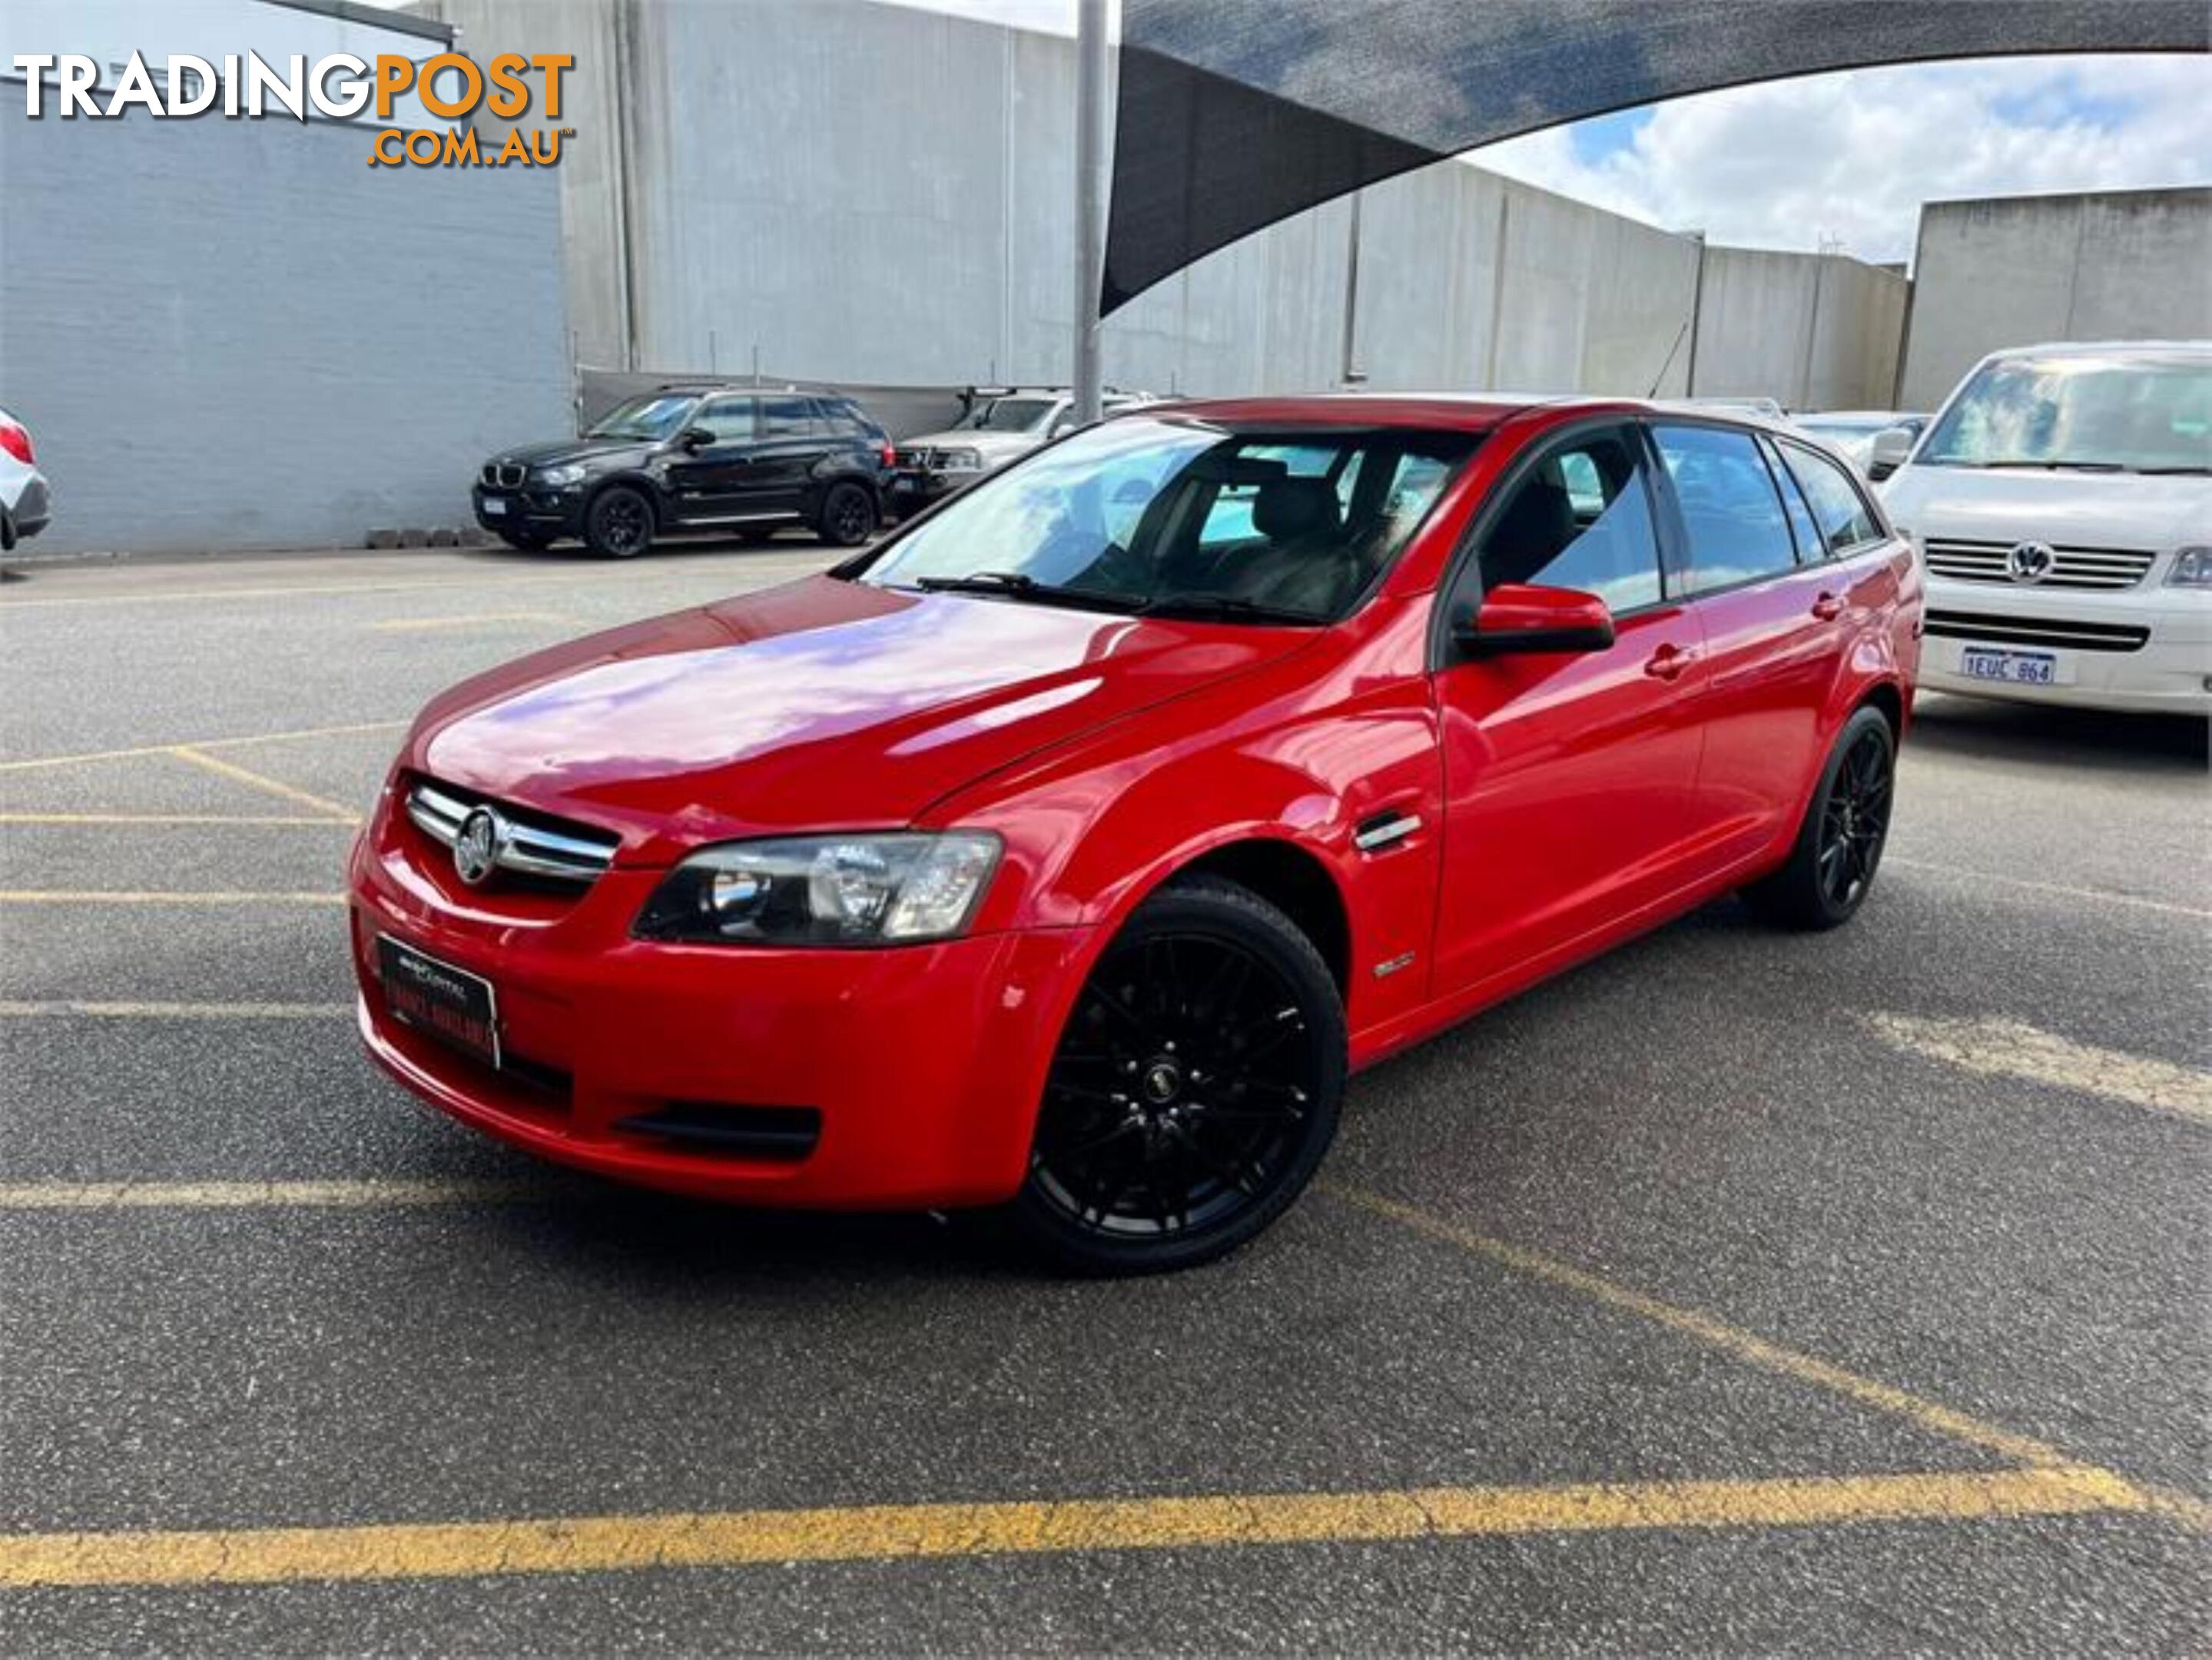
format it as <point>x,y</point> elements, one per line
<point>1739,1291</point>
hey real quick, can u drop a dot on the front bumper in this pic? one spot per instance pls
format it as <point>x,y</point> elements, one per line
<point>529,512</point>
<point>2170,671</point>
<point>924,1063</point>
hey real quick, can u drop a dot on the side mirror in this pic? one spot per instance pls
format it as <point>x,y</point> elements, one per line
<point>1520,616</point>
<point>1891,446</point>
<point>695,437</point>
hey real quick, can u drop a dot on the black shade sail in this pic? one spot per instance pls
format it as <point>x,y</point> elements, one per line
<point>1235,113</point>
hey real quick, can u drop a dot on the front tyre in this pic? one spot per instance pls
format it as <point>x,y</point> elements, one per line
<point>1195,1088</point>
<point>1839,847</point>
<point>848,514</point>
<point>619,523</point>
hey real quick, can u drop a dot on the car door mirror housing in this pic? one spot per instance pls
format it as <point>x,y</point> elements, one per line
<point>1891,446</point>
<point>695,437</point>
<point>1520,616</point>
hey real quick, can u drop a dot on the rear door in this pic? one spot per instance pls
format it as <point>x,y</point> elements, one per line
<point>793,443</point>
<point>1569,778</point>
<point>709,483</point>
<point>1771,621</point>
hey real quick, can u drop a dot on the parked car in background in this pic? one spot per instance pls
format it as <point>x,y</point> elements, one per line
<point>1067,849</point>
<point>694,457</point>
<point>25,501</point>
<point>2063,496</point>
<point>1765,408</point>
<point>1852,432</point>
<point>1002,425</point>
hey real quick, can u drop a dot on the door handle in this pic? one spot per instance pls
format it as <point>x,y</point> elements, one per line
<point>1668,661</point>
<point>1827,608</point>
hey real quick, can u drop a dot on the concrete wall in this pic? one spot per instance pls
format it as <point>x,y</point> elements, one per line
<point>846,192</point>
<point>237,334</point>
<point>2132,265</point>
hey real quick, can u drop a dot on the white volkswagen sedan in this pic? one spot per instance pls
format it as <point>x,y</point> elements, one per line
<point>2063,496</point>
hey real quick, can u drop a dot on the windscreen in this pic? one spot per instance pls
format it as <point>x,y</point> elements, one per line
<point>1180,515</point>
<point>2095,414</point>
<point>655,417</point>
<point>1006,415</point>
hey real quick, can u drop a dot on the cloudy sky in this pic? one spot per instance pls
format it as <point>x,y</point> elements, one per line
<point>1846,160</point>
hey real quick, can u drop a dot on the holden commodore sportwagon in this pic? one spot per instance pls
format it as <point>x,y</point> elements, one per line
<point>1066,850</point>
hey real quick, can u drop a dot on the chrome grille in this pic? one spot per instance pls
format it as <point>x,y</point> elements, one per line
<point>2072,568</point>
<point>2035,631</point>
<point>924,458</point>
<point>505,476</point>
<point>526,845</point>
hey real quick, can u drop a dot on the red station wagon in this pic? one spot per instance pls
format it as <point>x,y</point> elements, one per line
<point>1066,850</point>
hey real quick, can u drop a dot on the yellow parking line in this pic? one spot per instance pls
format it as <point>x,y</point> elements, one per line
<point>104,896</point>
<point>2186,1509</point>
<point>257,821</point>
<point>258,1195</point>
<point>31,762</point>
<point>63,1008</point>
<point>2058,890</point>
<point>2011,1049</point>
<point>889,1532</point>
<point>1715,1334</point>
<point>268,786</point>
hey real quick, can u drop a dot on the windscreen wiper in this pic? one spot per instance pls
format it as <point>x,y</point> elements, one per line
<point>2057,466</point>
<point>1227,607</point>
<point>1015,585</point>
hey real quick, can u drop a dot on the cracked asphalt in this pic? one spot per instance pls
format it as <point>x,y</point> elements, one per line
<point>1720,1231</point>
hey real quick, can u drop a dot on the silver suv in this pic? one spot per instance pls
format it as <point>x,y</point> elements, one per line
<point>1001,425</point>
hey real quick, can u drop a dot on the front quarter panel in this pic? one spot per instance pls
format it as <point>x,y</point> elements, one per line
<point>1300,753</point>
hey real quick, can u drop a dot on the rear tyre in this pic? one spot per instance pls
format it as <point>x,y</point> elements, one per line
<point>848,514</point>
<point>525,541</point>
<point>619,523</point>
<point>1839,848</point>
<point>1194,1092</point>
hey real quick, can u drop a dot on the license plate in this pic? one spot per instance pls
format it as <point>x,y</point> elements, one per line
<point>2015,668</point>
<point>493,504</point>
<point>450,1004</point>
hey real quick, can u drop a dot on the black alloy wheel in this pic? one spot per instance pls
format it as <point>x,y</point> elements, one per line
<point>619,525</point>
<point>1839,848</point>
<point>848,514</point>
<point>1195,1088</point>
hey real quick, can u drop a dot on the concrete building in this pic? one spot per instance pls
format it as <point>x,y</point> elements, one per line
<point>834,190</point>
<point>236,333</point>
<point>2126,264</point>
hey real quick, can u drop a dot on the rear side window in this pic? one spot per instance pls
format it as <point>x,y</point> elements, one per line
<point>1580,519</point>
<point>1731,505</point>
<point>1838,509</point>
<point>787,418</point>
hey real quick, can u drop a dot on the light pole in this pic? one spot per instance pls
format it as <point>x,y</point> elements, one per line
<point>1090,199</point>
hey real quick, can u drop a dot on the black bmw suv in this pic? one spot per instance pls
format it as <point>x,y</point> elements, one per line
<point>691,457</point>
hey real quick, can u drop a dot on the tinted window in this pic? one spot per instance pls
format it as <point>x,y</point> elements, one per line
<point>1811,549</point>
<point>1844,519</point>
<point>1730,506</point>
<point>730,419</point>
<point>787,418</point>
<point>1581,519</point>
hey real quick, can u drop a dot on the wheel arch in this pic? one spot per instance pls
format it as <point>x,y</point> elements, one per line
<point>1295,881</point>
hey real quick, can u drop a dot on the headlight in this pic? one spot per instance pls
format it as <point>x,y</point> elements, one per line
<point>2192,569</point>
<point>557,477</point>
<point>823,890</point>
<point>959,460</point>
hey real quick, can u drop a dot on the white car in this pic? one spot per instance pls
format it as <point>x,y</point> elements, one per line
<point>999,427</point>
<point>23,498</point>
<point>2063,498</point>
